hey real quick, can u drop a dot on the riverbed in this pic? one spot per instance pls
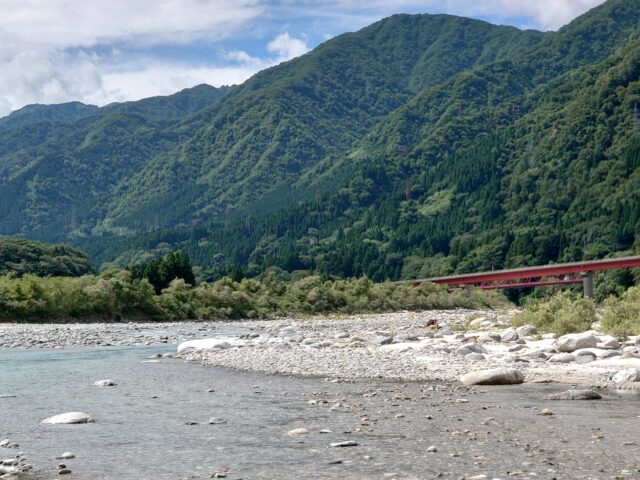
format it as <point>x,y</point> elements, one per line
<point>155,423</point>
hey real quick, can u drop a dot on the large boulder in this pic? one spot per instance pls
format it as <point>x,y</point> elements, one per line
<point>497,376</point>
<point>69,418</point>
<point>575,341</point>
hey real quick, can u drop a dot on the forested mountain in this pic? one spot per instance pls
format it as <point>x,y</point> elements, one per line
<point>418,146</point>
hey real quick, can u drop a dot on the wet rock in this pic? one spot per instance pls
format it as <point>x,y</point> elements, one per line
<point>432,449</point>
<point>298,431</point>
<point>66,456</point>
<point>627,375</point>
<point>498,376</point>
<point>69,418</point>
<point>575,341</point>
<point>64,471</point>
<point>575,395</point>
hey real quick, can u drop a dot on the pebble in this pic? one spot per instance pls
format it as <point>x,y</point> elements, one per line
<point>69,418</point>
<point>432,449</point>
<point>347,443</point>
<point>298,431</point>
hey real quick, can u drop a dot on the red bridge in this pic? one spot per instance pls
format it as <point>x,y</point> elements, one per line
<point>558,274</point>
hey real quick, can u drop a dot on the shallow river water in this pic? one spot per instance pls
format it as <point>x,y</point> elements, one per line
<point>155,424</point>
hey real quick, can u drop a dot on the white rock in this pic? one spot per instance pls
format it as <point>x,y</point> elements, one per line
<point>68,418</point>
<point>104,383</point>
<point>4,470</point>
<point>67,456</point>
<point>497,376</point>
<point>574,341</point>
<point>204,344</point>
<point>298,431</point>
<point>628,375</point>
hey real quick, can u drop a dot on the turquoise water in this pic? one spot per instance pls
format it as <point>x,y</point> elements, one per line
<point>142,429</point>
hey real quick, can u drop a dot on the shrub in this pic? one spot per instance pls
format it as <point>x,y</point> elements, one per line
<point>622,315</point>
<point>559,314</point>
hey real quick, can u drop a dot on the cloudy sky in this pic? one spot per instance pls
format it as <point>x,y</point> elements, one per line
<point>101,51</point>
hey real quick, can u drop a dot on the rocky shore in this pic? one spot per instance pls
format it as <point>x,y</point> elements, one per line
<point>409,346</point>
<point>426,346</point>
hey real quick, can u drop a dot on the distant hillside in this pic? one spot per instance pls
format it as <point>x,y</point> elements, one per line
<point>20,256</point>
<point>418,146</point>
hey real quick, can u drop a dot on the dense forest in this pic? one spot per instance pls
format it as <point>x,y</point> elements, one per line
<point>419,146</point>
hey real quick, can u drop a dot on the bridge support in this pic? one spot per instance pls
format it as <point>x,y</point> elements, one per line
<point>587,284</point>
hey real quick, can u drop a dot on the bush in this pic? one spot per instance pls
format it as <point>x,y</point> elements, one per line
<point>559,314</point>
<point>116,294</point>
<point>622,315</point>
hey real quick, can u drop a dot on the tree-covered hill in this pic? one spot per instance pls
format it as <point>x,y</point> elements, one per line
<point>20,256</point>
<point>418,146</point>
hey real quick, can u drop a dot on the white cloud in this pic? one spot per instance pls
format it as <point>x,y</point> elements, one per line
<point>287,47</point>
<point>542,14</point>
<point>100,51</point>
<point>81,22</point>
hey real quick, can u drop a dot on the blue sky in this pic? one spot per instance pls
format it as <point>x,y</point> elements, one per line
<point>101,51</point>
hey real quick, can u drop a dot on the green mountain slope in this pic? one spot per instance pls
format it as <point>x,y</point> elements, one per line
<point>418,146</point>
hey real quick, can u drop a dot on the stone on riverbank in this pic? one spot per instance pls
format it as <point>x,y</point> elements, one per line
<point>298,431</point>
<point>575,395</point>
<point>203,344</point>
<point>497,376</point>
<point>575,341</point>
<point>562,358</point>
<point>104,383</point>
<point>628,375</point>
<point>69,418</point>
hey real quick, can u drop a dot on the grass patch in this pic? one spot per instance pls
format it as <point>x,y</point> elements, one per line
<point>559,314</point>
<point>621,316</point>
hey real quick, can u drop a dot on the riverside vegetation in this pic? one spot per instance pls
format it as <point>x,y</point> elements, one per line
<point>165,289</point>
<point>116,294</point>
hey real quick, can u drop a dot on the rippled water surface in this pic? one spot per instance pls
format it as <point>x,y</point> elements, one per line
<point>142,429</point>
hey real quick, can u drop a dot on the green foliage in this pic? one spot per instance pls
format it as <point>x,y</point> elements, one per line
<point>116,294</point>
<point>162,271</point>
<point>622,315</point>
<point>559,314</point>
<point>110,296</point>
<point>421,145</point>
<point>21,256</point>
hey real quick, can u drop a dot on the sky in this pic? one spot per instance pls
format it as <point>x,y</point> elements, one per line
<point>103,51</point>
